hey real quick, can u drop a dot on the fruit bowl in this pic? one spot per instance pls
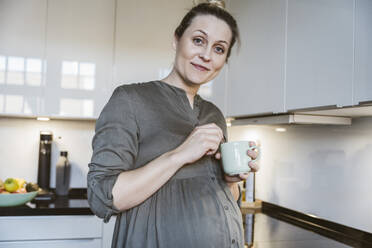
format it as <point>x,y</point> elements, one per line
<point>10,200</point>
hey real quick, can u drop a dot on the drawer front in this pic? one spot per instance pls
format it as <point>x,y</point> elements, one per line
<point>76,243</point>
<point>49,227</point>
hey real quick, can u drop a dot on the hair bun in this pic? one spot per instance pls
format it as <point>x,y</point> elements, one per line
<point>218,3</point>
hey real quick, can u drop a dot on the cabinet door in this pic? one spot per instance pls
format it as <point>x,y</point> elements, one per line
<point>107,232</point>
<point>22,47</point>
<point>27,228</point>
<point>74,243</point>
<point>363,52</point>
<point>319,53</point>
<point>144,36</point>
<point>256,71</point>
<point>79,57</point>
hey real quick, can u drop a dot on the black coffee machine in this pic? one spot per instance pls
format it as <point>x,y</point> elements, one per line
<point>43,173</point>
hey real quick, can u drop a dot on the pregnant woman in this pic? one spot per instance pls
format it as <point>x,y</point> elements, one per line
<point>156,163</point>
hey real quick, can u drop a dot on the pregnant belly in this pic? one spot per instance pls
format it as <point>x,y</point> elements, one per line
<point>183,213</point>
<point>191,214</point>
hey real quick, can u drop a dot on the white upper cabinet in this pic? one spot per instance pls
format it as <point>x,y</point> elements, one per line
<point>79,57</point>
<point>319,64</point>
<point>22,47</point>
<point>144,36</point>
<point>363,52</point>
<point>256,70</point>
<point>64,58</point>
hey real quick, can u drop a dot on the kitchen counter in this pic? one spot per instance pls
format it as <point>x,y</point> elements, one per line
<point>75,203</point>
<point>257,216</point>
<point>266,223</point>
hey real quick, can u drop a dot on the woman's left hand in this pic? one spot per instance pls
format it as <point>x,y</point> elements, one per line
<point>253,165</point>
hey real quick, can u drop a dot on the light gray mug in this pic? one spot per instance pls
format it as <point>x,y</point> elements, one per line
<point>235,158</point>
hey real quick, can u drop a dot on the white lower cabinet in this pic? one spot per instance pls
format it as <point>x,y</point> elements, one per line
<point>55,232</point>
<point>78,243</point>
<point>107,232</point>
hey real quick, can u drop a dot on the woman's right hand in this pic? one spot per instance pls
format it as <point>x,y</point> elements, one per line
<point>203,140</point>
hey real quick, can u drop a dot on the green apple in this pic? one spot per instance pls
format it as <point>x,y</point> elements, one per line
<point>11,185</point>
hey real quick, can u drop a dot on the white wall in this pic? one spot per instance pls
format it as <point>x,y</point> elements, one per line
<point>19,148</point>
<point>320,170</point>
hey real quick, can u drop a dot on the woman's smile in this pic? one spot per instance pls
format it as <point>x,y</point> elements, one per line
<point>200,67</point>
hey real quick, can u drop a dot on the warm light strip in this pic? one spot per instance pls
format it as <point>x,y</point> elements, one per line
<point>280,129</point>
<point>228,121</point>
<point>42,119</point>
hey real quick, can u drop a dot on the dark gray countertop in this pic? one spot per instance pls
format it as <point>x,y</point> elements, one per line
<point>75,203</point>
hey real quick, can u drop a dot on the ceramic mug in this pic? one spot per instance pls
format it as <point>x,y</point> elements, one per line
<point>235,158</point>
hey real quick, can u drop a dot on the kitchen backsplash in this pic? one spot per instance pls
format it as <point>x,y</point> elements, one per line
<point>19,147</point>
<point>321,170</point>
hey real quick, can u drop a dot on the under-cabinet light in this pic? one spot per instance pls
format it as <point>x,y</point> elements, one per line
<point>42,119</point>
<point>280,129</point>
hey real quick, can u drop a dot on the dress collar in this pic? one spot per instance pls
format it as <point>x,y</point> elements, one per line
<point>180,91</point>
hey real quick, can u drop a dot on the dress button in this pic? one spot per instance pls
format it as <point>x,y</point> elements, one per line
<point>226,208</point>
<point>213,178</point>
<point>233,241</point>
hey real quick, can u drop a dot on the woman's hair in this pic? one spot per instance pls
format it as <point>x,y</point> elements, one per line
<point>214,10</point>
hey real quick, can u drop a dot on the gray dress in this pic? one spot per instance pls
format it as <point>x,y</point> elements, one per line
<point>195,208</point>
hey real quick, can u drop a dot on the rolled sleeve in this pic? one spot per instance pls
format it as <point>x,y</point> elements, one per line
<point>115,147</point>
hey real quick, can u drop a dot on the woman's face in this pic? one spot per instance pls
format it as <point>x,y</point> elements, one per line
<point>202,49</point>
